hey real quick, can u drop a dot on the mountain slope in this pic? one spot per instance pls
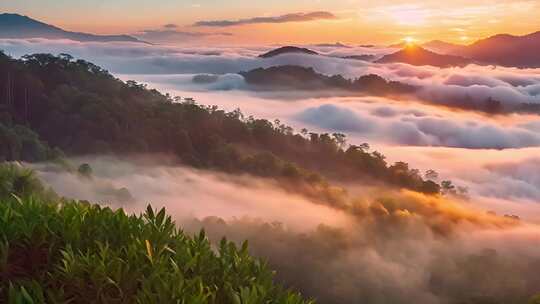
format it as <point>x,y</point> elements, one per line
<point>417,55</point>
<point>506,50</point>
<point>16,26</point>
<point>502,49</point>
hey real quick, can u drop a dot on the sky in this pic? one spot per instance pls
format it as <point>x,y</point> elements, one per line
<point>285,21</point>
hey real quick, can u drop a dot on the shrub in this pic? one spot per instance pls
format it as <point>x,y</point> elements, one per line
<point>62,251</point>
<point>534,300</point>
<point>85,170</point>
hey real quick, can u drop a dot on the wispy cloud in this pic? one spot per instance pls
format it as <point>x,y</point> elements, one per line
<point>171,35</point>
<point>296,17</point>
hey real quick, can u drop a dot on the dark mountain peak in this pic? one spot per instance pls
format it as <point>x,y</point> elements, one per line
<point>288,50</point>
<point>502,36</point>
<point>14,16</point>
<point>17,20</point>
<point>417,55</point>
<point>535,35</point>
<point>16,26</point>
<point>6,16</point>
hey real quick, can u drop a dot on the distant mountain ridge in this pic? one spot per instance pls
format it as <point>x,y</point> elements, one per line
<point>417,55</point>
<point>288,50</point>
<point>15,26</point>
<point>506,50</point>
<point>501,49</point>
<point>299,50</point>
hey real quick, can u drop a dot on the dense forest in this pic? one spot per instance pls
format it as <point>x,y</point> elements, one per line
<point>55,105</point>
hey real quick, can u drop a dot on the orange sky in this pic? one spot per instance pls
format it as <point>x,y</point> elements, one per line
<point>357,21</point>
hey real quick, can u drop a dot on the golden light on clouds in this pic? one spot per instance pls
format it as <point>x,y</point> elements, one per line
<point>408,15</point>
<point>356,21</point>
<point>458,21</point>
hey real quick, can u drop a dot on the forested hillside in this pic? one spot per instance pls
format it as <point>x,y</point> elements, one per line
<point>53,105</point>
<point>291,77</point>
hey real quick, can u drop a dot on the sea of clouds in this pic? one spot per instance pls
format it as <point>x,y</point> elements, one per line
<point>172,68</point>
<point>414,125</point>
<point>447,86</point>
<point>387,247</point>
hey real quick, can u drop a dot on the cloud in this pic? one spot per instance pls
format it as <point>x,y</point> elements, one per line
<point>467,87</point>
<point>336,118</point>
<point>170,26</point>
<point>357,253</point>
<point>196,82</point>
<point>296,17</point>
<point>169,35</point>
<point>186,192</point>
<point>367,263</point>
<point>388,111</point>
<point>520,178</point>
<point>389,121</point>
<point>504,181</point>
<point>405,127</point>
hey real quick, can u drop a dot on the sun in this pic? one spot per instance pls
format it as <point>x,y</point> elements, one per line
<point>409,40</point>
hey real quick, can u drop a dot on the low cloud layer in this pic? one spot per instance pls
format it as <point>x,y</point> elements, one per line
<point>505,181</point>
<point>169,34</point>
<point>385,247</point>
<point>296,17</point>
<point>466,87</point>
<point>186,192</point>
<point>361,264</point>
<point>416,128</point>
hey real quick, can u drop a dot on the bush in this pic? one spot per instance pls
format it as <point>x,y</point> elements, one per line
<point>21,182</point>
<point>85,170</point>
<point>534,300</point>
<point>66,251</point>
